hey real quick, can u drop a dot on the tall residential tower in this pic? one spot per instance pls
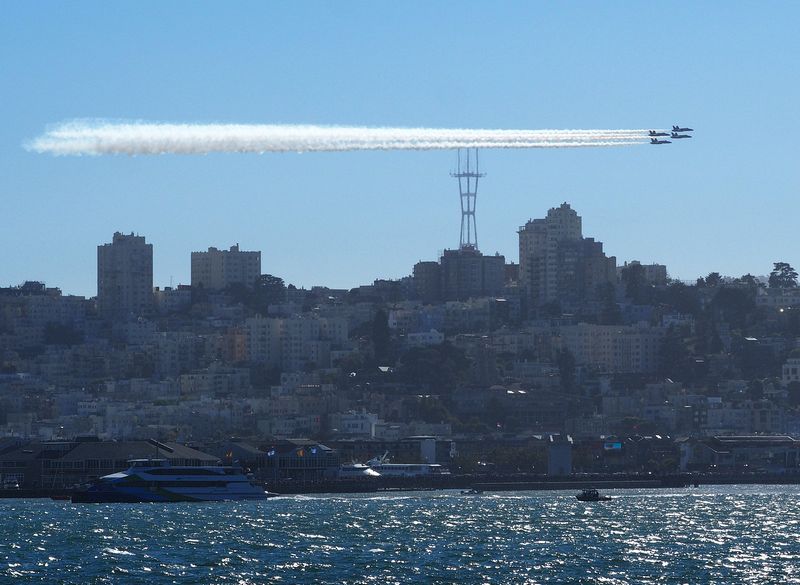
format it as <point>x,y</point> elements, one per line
<point>557,264</point>
<point>124,277</point>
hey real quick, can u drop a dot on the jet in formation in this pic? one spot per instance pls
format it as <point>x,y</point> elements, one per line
<point>674,135</point>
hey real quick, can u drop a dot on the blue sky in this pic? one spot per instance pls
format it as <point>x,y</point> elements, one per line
<point>725,201</point>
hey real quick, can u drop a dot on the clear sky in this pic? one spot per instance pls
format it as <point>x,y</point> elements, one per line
<point>726,201</point>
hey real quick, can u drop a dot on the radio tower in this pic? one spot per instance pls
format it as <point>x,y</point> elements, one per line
<point>468,175</point>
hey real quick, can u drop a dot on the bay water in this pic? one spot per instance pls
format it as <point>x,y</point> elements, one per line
<point>711,534</point>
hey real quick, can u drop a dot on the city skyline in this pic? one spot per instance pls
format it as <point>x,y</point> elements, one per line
<point>434,256</point>
<point>722,202</point>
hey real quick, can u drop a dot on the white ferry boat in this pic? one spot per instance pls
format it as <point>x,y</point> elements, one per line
<point>155,480</point>
<point>386,469</point>
<point>357,471</point>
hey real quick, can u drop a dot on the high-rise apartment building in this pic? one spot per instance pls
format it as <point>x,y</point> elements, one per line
<point>460,275</point>
<point>466,273</point>
<point>124,277</point>
<point>556,263</point>
<point>218,269</point>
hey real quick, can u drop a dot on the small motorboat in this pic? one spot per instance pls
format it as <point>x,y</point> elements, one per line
<point>592,495</point>
<point>471,492</point>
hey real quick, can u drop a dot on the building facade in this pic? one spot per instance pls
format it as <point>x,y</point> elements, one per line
<point>460,275</point>
<point>218,269</point>
<point>124,277</point>
<point>296,343</point>
<point>428,281</point>
<point>556,263</point>
<point>617,349</point>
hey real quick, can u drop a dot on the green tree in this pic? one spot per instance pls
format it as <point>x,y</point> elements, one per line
<point>782,276</point>
<point>753,358</point>
<point>748,280</point>
<point>713,279</point>
<point>350,363</point>
<point>429,409</point>
<point>681,298</point>
<point>440,368</point>
<point>755,389</point>
<point>636,286</point>
<point>268,290</point>
<point>432,410</point>
<point>674,358</point>
<point>733,305</point>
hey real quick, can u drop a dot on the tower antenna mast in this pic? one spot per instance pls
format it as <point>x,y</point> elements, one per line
<point>468,175</point>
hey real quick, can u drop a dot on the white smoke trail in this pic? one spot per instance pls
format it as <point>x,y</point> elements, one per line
<point>87,137</point>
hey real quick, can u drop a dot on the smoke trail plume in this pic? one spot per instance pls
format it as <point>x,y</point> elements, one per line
<point>87,137</point>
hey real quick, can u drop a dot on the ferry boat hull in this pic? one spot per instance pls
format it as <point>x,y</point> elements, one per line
<point>158,495</point>
<point>147,481</point>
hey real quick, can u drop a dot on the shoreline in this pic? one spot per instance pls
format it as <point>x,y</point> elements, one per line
<point>485,483</point>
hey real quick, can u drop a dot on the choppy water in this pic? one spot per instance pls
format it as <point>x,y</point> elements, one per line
<point>731,534</point>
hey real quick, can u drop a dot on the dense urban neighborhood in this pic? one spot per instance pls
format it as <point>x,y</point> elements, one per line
<point>568,362</point>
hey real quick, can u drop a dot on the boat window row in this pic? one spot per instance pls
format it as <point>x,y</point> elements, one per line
<point>182,472</point>
<point>165,483</point>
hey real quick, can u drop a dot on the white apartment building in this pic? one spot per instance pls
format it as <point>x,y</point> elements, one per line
<point>294,343</point>
<point>613,348</point>
<point>778,298</point>
<point>354,424</point>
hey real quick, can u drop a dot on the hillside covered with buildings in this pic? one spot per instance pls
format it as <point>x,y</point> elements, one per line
<point>637,371</point>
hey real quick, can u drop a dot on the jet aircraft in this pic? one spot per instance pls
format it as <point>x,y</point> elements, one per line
<point>657,141</point>
<point>654,133</point>
<point>679,129</point>
<point>675,135</point>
